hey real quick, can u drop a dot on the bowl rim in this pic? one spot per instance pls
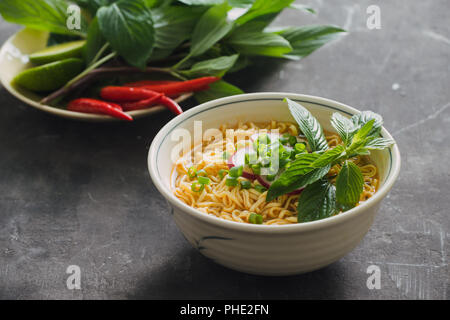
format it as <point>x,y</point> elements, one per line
<point>298,227</point>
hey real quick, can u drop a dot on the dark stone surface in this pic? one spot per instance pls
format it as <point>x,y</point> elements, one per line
<point>79,193</point>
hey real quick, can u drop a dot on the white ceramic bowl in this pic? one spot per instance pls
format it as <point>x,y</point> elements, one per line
<point>262,249</point>
<point>14,59</point>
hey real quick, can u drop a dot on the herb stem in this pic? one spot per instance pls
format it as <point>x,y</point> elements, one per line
<point>181,62</point>
<point>91,67</point>
<point>178,76</point>
<point>99,53</point>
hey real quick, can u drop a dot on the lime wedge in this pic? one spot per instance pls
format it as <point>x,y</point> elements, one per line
<point>58,52</point>
<point>49,77</point>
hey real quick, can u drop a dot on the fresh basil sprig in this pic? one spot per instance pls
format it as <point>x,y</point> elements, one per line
<point>212,67</point>
<point>306,39</point>
<point>128,27</point>
<point>300,173</point>
<point>260,43</point>
<point>349,184</point>
<point>211,27</point>
<point>185,38</point>
<point>320,198</point>
<point>309,125</point>
<point>316,202</point>
<point>40,15</point>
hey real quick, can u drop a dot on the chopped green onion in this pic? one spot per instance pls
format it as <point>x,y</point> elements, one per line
<point>231,182</point>
<point>236,172</point>
<point>192,172</point>
<point>299,147</point>
<point>293,155</point>
<point>201,173</point>
<point>222,173</point>
<point>256,168</point>
<point>197,187</point>
<point>247,158</point>
<point>203,180</point>
<point>262,149</point>
<point>285,155</point>
<point>251,158</point>
<point>265,162</point>
<point>270,177</point>
<point>256,218</point>
<point>260,188</point>
<point>285,138</point>
<point>255,145</point>
<point>292,140</point>
<point>245,184</point>
<point>263,139</point>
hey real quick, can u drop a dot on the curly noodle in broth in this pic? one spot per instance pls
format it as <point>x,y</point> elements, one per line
<point>236,203</point>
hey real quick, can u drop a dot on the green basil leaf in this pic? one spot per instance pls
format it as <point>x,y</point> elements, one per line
<point>362,133</point>
<point>156,3</point>
<point>241,63</point>
<point>48,15</point>
<point>280,186</point>
<point>304,161</point>
<point>128,27</point>
<point>299,174</point>
<point>317,201</point>
<point>362,151</point>
<point>329,156</point>
<point>241,3</point>
<point>359,120</point>
<point>159,54</point>
<point>344,127</point>
<point>302,7</point>
<point>349,184</point>
<point>258,43</point>
<point>174,25</point>
<point>93,5</point>
<point>212,27</point>
<point>201,2</point>
<point>94,42</point>
<point>309,126</point>
<point>378,143</point>
<point>217,90</point>
<point>306,39</point>
<point>360,138</point>
<point>262,8</point>
<point>299,166</point>
<point>256,26</point>
<point>213,67</point>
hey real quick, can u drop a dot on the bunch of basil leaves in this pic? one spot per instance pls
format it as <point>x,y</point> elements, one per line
<point>320,198</point>
<point>208,37</point>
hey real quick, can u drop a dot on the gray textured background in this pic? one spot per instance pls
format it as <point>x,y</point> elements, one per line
<point>77,193</point>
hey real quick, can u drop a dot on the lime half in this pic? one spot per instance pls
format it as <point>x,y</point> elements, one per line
<point>49,77</point>
<point>58,52</point>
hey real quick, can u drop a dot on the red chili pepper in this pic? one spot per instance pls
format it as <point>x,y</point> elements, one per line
<point>126,94</point>
<point>179,87</point>
<point>148,83</point>
<point>143,104</point>
<point>171,105</point>
<point>99,107</point>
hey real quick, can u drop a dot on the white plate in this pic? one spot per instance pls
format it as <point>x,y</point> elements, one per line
<point>14,59</point>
